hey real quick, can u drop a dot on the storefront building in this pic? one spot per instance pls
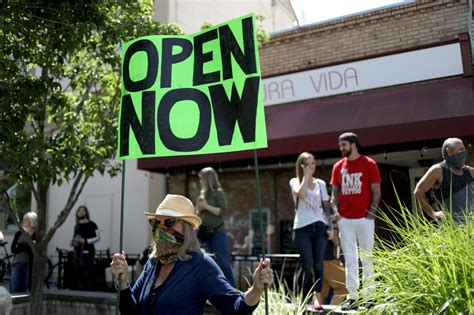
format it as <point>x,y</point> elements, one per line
<point>400,77</point>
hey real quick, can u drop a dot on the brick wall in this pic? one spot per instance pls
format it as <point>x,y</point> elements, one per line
<point>380,32</point>
<point>241,195</point>
<point>176,184</point>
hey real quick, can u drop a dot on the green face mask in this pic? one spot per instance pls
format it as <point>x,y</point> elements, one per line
<point>167,243</point>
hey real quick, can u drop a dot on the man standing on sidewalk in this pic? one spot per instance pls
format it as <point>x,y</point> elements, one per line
<point>355,197</point>
<point>453,184</point>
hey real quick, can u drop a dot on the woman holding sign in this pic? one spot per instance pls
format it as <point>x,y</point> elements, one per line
<point>211,206</point>
<point>179,278</point>
<point>310,227</point>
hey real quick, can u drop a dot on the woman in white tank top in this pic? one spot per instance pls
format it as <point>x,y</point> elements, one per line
<point>312,225</point>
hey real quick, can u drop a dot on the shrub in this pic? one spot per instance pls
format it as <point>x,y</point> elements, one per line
<point>429,269</point>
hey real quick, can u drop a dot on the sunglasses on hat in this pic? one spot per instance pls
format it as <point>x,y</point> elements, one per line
<point>168,223</point>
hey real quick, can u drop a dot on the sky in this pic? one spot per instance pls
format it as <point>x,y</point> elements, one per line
<point>313,11</point>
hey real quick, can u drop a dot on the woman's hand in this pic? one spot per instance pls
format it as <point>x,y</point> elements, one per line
<point>201,204</point>
<point>262,276</point>
<point>330,233</point>
<point>308,171</point>
<point>438,215</point>
<point>119,267</point>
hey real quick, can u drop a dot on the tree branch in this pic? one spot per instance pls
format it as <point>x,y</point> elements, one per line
<point>74,194</point>
<point>8,205</point>
<point>41,18</point>
<point>84,97</point>
<point>34,191</point>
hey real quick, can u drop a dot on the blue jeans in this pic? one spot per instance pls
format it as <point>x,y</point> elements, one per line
<point>310,241</point>
<point>20,281</point>
<point>218,246</point>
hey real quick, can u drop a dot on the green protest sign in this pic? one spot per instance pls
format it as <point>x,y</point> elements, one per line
<point>193,94</point>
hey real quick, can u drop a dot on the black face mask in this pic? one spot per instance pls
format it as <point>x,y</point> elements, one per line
<point>82,217</point>
<point>456,160</point>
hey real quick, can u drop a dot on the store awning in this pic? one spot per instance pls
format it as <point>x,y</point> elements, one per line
<point>393,115</point>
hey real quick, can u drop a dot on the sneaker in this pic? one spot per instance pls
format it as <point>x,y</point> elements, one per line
<point>349,305</point>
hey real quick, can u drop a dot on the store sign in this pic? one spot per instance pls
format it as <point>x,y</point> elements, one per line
<point>419,65</point>
<point>192,94</point>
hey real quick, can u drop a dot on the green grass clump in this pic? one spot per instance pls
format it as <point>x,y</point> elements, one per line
<point>428,269</point>
<point>282,300</point>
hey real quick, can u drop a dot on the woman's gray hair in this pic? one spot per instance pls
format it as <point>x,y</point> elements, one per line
<point>190,245</point>
<point>33,218</point>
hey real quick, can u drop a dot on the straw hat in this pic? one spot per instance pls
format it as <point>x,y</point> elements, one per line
<point>176,206</point>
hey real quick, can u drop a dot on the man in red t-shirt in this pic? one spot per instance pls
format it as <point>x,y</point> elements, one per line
<point>355,196</point>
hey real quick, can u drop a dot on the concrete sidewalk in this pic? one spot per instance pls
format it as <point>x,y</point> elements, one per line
<point>59,302</point>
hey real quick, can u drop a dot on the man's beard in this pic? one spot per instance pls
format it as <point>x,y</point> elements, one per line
<point>346,153</point>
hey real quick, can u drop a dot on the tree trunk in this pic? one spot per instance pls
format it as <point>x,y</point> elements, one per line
<point>38,274</point>
<point>39,253</point>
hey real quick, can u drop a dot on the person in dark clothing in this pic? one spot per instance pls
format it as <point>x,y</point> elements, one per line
<point>22,262</point>
<point>178,277</point>
<point>141,262</point>
<point>86,234</point>
<point>334,275</point>
<point>452,182</point>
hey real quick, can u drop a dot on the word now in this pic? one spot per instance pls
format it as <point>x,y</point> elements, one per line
<point>226,113</point>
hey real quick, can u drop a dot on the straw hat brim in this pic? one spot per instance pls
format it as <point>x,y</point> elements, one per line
<point>192,219</point>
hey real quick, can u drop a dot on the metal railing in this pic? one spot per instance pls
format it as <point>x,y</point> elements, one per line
<point>285,267</point>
